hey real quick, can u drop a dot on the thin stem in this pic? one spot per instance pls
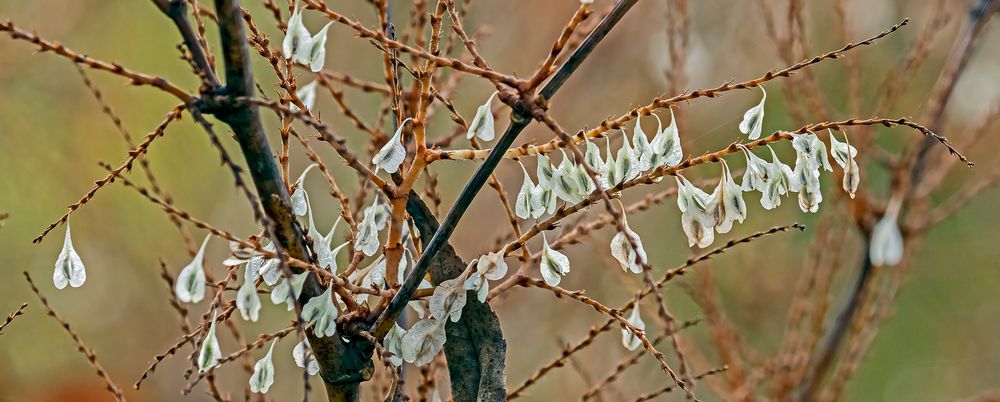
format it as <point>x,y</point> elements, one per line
<point>136,78</point>
<point>980,16</point>
<point>661,102</point>
<point>517,123</point>
<point>835,337</point>
<point>81,347</point>
<point>581,53</point>
<point>11,316</point>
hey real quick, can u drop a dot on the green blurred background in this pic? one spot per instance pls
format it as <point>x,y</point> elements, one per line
<point>942,341</point>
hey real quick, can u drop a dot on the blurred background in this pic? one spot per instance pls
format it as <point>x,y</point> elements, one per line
<point>941,342</point>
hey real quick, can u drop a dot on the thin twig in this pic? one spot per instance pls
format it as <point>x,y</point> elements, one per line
<point>80,346</point>
<point>11,316</point>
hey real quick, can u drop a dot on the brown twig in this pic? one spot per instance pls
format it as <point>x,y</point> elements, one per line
<point>134,154</point>
<point>615,315</point>
<point>11,316</point>
<point>134,77</point>
<point>668,276</point>
<point>662,103</point>
<point>80,346</point>
<point>661,391</point>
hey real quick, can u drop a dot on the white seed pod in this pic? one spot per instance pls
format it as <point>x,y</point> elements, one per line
<point>758,171</point>
<point>297,36</point>
<point>423,341</point>
<point>886,248</point>
<point>263,372</point>
<point>367,240</point>
<point>69,269</point>
<point>269,268</point>
<point>626,164</point>
<point>449,298</point>
<point>482,124</point>
<point>304,358</point>
<point>630,258</point>
<point>393,343</point>
<point>489,267</point>
<point>553,264</point>
<point>392,153</point>
<point>288,290</point>
<point>584,183</point>
<point>320,314</point>
<point>210,352</point>
<point>190,284</point>
<point>696,220</point>
<point>727,202</point>
<point>248,301</point>
<point>843,153</point>
<point>641,148</point>
<point>781,181</point>
<point>564,182</point>
<point>629,339</point>
<point>527,201</point>
<point>547,198</point>
<point>300,202</point>
<point>753,119</point>
<point>544,171</point>
<point>316,56</point>
<point>306,94</point>
<point>321,243</point>
<point>666,144</point>
<point>592,157</point>
<point>809,200</point>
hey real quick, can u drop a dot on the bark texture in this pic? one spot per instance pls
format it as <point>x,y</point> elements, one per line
<point>476,349</point>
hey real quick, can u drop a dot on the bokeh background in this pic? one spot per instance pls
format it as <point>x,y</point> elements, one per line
<point>942,341</point>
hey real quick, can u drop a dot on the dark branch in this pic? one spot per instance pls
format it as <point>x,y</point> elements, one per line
<point>835,337</point>
<point>343,365</point>
<point>177,11</point>
<point>520,117</point>
<point>823,358</point>
<point>979,17</point>
<point>476,349</point>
